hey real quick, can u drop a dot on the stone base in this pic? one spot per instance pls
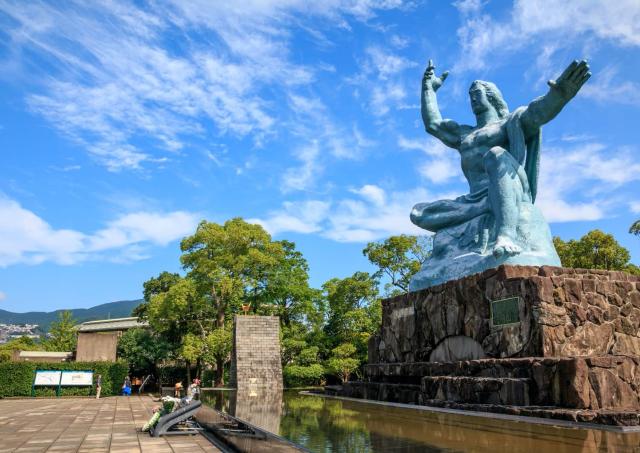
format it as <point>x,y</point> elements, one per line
<point>563,312</point>
<point>573,355</point>
<point>602,389</point>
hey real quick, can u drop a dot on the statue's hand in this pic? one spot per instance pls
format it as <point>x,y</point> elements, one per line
<point>430,81</point>
<point>572,79</point>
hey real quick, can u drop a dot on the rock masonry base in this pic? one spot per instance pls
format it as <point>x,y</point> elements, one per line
<point>573,355</point>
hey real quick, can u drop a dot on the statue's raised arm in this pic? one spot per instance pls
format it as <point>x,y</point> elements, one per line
<point>543,109</point>
<point>448,131</point>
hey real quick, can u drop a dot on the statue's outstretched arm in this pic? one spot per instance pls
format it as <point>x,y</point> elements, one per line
<point>561,91</point>
<point>448,131</point>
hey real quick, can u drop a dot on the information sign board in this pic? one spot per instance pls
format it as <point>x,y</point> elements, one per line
<point>76,378</point>
<point>47,378</point>
<point>505,312</point>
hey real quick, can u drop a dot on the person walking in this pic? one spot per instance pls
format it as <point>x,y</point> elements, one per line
<point>126,387</point>
<point>98,386</point>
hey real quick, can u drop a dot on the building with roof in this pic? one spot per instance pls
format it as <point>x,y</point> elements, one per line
<point>42,356</point>
<point>98,340</point>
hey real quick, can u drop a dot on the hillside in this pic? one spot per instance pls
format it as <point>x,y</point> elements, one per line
<point>120,309</point>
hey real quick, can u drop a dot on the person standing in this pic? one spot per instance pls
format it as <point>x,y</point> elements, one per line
<point>98,386</point>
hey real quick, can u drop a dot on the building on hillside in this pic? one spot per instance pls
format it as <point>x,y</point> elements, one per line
<point>98,340</point>
<point>42,356</point>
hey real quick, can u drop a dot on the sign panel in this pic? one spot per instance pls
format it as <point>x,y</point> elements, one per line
<point>47,378</point>
<point>505,312</point>
<point>76,378</point>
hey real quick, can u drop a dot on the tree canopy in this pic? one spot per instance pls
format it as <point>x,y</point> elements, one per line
<point>398,258</point>
<point>594,250</point>
<point>63,335</point>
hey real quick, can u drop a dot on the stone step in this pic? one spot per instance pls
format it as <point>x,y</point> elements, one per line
<point>627,418</point>
<point>506,368</point>
<point>476,390</point>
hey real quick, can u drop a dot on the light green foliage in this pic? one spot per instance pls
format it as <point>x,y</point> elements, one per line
<point>343,362</point>
<point>18,344</point>
<point>285,291</point>
<point>63,335</point>
<point>303,375</point>
<point>354,311</point>
<point>398,258</point>
<point>635,228</point>
<point>143,349</point>
<point>213,347</point>
<point>594,250</point>
<point>229,262</point>
<point>153,286</point>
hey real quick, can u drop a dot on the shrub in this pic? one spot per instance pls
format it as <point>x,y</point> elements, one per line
<point>301,375</point>
<point>16,378</point>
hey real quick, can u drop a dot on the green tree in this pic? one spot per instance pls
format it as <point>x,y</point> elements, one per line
<point>635,228</point>
<point>229,264</point>
<point>63,334</point>
<point>18,344</point>
<point>354,311</point>
<point>594,250</point>
<point>285,289</point>
<point>153,286</point>
<point>398,258</point>
<point>143,349</point>
<point>343,362</point>
<point>179,312</point>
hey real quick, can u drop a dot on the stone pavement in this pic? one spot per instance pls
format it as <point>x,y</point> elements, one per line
<point>86,425</point>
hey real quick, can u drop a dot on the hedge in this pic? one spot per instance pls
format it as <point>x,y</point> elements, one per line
<point>16,378</point>
<point>301,376</point>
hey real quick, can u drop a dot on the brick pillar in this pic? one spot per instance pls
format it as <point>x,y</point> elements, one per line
<point>255,360</point>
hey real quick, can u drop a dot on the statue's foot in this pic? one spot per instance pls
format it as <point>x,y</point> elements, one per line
<point>505,246</point>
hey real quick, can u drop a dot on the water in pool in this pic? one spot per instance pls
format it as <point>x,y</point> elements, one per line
<point>329,425</point>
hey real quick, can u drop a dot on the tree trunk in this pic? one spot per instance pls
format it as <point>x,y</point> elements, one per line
<point>188,372</point>
<point>219,373</point>
<point>198,367</point>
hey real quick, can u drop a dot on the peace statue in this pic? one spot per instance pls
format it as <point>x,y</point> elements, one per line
<point>497,222</point>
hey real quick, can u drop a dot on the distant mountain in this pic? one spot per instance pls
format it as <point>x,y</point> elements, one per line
<point>120,309</point>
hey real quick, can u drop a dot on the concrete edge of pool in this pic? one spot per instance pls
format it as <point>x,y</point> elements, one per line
<point>488,415</point>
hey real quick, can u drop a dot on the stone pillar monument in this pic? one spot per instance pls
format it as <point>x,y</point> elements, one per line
<point>255,361</point>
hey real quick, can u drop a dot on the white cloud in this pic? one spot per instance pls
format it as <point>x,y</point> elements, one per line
<point>304,176</point>
<point>27,238</point>
<point>3,296</point>
<point>606,87</point>
<point>442,163</point>
<point>299,217</point>
<point>635,207</point>
<point>112,80</point>
<point>576,183</point>
<point>320,139</point>
<point>483,39</point>
<point>373,215</point>
<point>381,76</point>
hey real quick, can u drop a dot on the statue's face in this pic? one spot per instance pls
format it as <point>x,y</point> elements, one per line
<point>479,101</point>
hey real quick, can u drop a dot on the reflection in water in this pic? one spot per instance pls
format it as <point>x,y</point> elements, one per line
<point>330,425</point>
<point>259,408</point>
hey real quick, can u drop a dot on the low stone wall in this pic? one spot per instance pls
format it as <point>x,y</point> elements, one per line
<point>564,312</point>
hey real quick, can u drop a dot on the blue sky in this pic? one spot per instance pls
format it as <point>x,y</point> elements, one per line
<point>124,124</point>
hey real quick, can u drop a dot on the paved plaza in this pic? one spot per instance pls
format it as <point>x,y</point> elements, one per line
<point>86,425</point>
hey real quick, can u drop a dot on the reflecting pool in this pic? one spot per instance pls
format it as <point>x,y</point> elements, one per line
<point>322,424</point>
